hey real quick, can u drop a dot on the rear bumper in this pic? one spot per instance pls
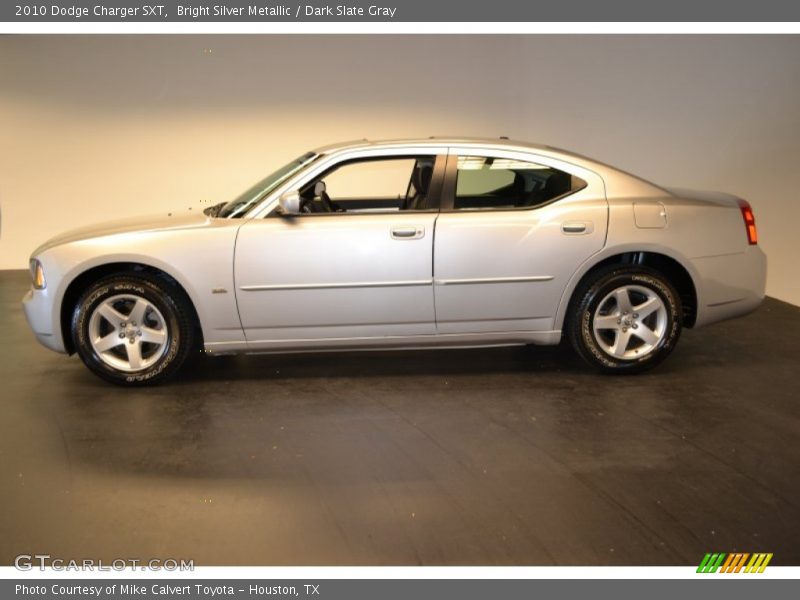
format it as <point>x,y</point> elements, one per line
<point>731,285</point>
<point>39,313</point>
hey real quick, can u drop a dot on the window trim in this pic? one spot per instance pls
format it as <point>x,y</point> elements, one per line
<point>448,197</point>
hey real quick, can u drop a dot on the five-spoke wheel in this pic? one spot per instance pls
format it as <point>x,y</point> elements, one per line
<point>133,328</point>
<point>624,318</point>
<point>128,332</point>
<point>630,321</point>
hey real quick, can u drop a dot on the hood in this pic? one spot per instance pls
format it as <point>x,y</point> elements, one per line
<point>149,223</point>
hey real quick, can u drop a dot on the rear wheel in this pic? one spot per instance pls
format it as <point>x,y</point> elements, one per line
<point>626,319</point>
<point>133,329</point>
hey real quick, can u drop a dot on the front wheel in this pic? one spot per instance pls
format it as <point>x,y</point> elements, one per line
<point>626,319</point>
<point>132,329</point>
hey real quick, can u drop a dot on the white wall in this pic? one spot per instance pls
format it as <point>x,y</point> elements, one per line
<point>98,127</point>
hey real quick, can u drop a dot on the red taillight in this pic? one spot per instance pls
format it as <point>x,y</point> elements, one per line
<point>749,222</point>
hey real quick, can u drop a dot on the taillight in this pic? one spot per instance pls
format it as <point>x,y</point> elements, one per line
<point>749,222</point>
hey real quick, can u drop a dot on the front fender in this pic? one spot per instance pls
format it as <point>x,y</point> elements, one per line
<point>200,261</point>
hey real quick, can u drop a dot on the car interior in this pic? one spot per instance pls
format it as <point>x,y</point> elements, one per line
<point>522,185</point>
<point>483,183</point>
<point>316,198</point>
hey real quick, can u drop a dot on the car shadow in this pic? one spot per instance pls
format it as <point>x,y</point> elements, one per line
<point>381,363</point>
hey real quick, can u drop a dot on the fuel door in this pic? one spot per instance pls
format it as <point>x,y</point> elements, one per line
<point>650,215</point>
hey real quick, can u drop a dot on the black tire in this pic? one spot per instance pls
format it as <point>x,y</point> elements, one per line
<point>168,299</point>
<point>593,291</point>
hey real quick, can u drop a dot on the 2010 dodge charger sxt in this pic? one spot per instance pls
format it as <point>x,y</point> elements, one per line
<point>405,244</point>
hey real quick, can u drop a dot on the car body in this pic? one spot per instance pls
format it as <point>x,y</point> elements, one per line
<point>488,244</point>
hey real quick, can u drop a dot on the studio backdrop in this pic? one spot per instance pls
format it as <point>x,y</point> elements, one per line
<point>96,128</point>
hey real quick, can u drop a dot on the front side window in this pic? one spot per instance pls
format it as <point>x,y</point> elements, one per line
<point>372,185</point>
<point>488,183</point>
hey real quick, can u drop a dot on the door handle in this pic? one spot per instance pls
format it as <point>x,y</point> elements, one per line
<point>407,232</point>
<point>577,227</point>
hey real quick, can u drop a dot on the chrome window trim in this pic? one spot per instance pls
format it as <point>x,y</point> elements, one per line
<point>330,158</point>
<point>523,155</point>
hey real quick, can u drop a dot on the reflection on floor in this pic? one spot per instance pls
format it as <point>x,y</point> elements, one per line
<point>500,456</point>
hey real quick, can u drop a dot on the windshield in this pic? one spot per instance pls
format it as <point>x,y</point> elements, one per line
<point>238,207</point>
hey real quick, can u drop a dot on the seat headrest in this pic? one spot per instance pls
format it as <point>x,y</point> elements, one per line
<point>319,188</point>
<point>558,183</point>
<point>518,185</point>
<point>422,178</point>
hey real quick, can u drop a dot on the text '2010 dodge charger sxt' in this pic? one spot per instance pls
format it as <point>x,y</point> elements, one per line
<point>405,244</point>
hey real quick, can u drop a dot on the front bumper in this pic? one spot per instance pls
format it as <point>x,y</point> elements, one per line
<point>38,309</point>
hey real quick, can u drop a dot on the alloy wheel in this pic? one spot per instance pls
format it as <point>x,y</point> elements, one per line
<point>630,322</point>
<point>127,332</point>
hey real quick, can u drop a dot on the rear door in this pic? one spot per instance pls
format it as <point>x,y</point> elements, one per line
<point>512,230</point>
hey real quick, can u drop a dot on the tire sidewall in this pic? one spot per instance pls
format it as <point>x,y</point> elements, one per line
<point>597,292</point>
<point>136,287</point>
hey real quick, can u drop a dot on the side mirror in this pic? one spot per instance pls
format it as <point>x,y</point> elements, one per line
<point>289,204</point>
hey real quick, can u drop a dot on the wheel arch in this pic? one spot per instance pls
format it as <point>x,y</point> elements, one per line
<point>676,269</point>
<point>87,276</point>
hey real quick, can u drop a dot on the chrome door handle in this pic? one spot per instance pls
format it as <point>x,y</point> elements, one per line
<point>576,227</point>
<point>404,232</point>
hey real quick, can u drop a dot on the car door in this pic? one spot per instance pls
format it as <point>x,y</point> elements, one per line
<point>344,277</point>
<point>513,228</point>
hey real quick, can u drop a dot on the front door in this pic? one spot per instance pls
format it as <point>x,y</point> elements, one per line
<point>355,265</point>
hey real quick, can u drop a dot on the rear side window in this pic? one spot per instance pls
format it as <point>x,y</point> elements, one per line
<point>487,183</point>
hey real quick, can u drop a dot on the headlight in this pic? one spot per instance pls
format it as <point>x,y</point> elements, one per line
<point>37,275</point>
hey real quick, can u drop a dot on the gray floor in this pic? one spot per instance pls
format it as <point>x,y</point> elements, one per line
<point>502,456</point>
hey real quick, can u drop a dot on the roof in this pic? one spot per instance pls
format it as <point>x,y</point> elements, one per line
<point>435,141</point>
<point>616,179</point>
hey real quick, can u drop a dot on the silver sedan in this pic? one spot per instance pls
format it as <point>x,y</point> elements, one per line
<point>404,244</point>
